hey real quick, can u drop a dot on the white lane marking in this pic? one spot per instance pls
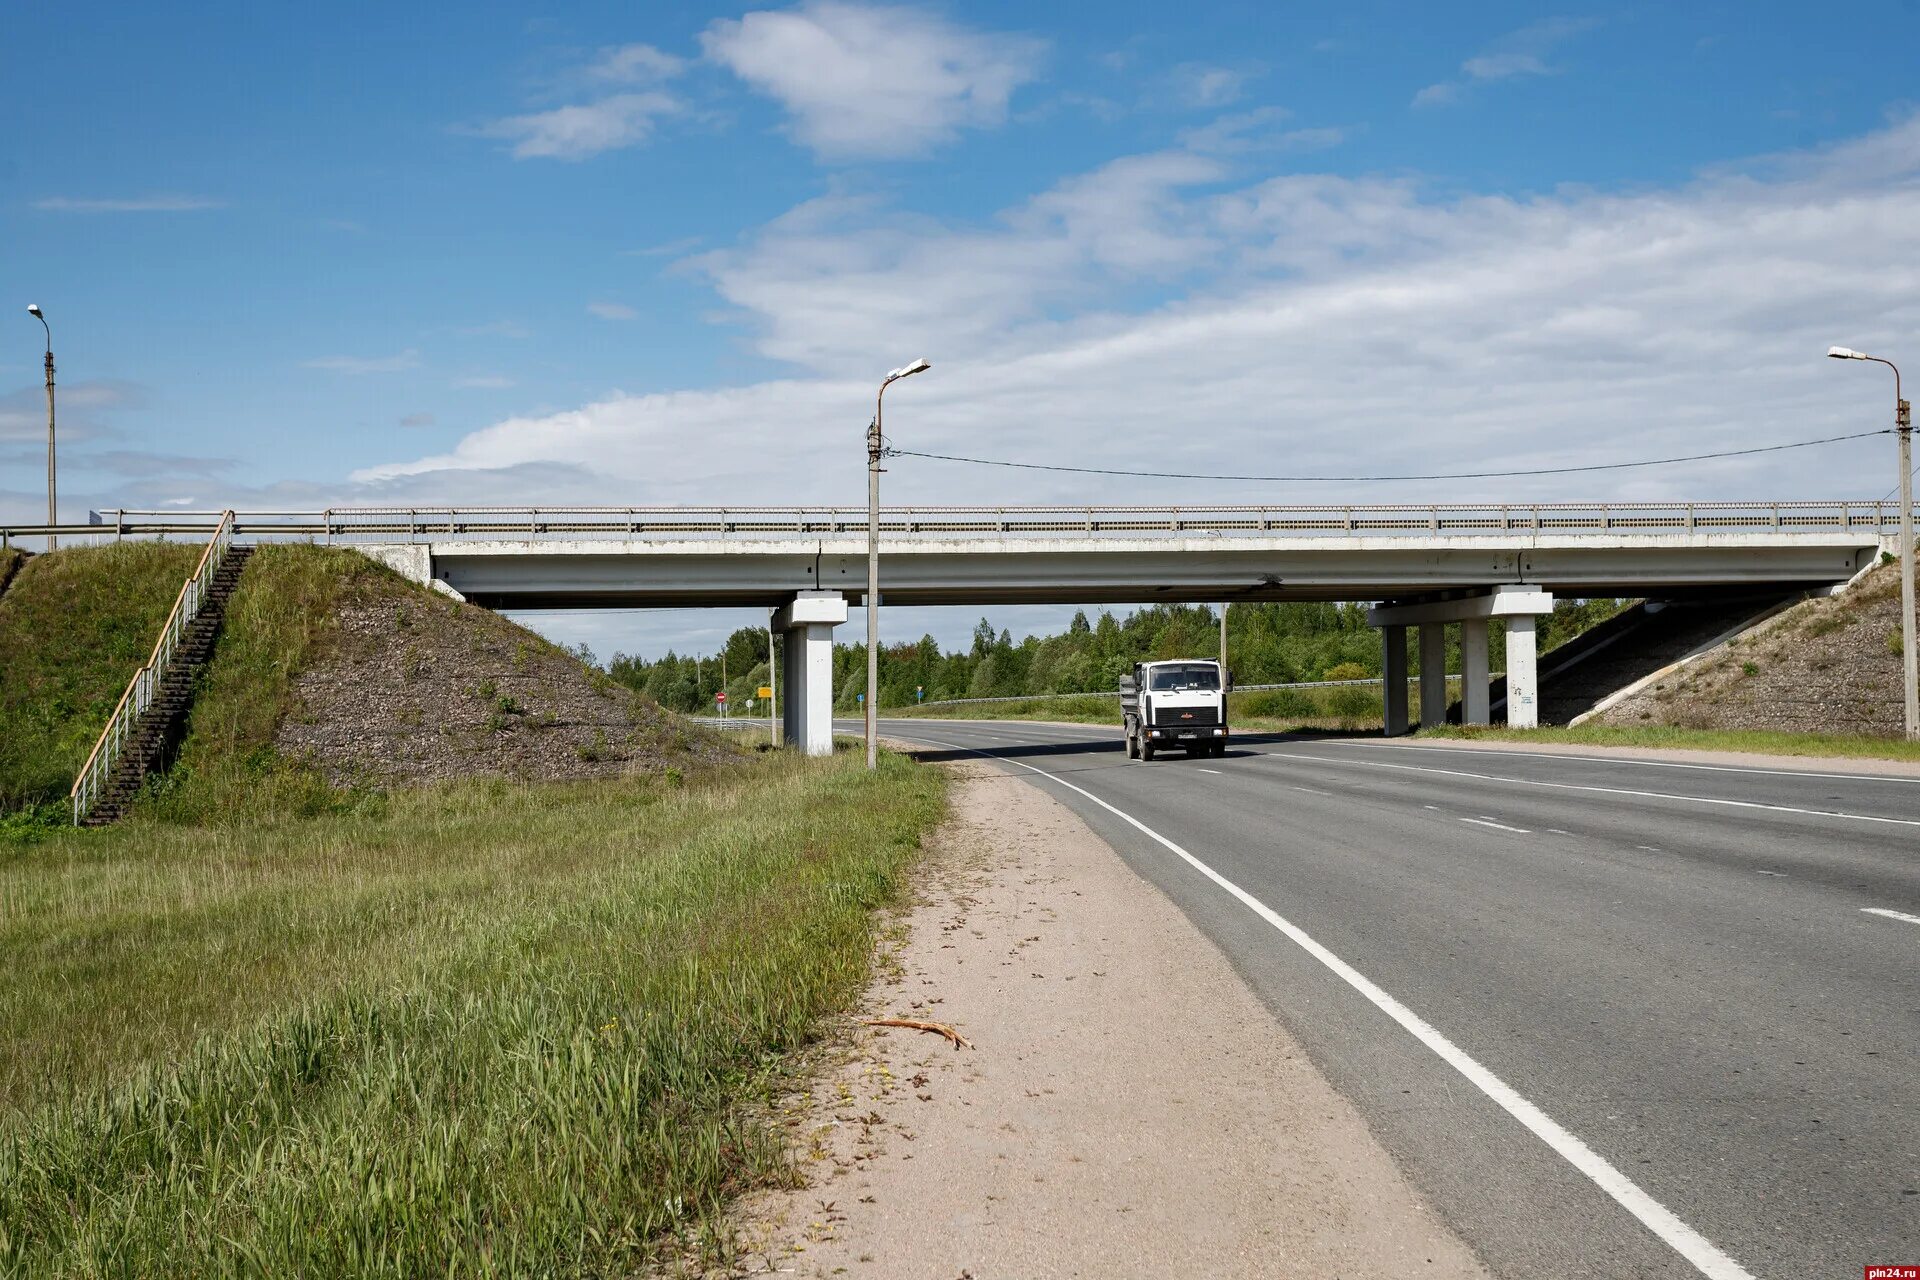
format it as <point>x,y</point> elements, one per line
<point>1705,1256</point>
<point>1215,772</point>
<point>1313,791</point>
<point>1646,848</point>
<point>1611,791</point>
<point>1777,874</point>
<point>1489,822</point>
<point>1434,807</point>
<point>1891,915</point>
<point>1632,760</point>
<point>1557,831</point>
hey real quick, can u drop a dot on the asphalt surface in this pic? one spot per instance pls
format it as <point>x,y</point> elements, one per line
<point>1689,972</point>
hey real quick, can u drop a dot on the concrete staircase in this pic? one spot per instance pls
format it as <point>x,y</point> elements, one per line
<point>157,733</point>
<point>1627,648</point>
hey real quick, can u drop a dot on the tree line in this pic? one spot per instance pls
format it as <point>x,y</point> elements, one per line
<point>1266,644</point>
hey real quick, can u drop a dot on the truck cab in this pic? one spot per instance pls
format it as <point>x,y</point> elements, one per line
<point>1180,703</point>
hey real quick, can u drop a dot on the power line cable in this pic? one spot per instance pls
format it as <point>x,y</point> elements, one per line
<point>1453,475</point>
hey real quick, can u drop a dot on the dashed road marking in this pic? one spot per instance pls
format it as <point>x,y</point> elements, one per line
<point>1313,791</point>
<point>1489,822</point>
<point>1610,791</point>
<point>1213,771</point>
<point>1557,831</point>
<point>1778,874</point>
<point>1651,764</point>
<point>1891,915</point>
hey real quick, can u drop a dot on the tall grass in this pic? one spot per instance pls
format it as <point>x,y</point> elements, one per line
<point>488,1030</point>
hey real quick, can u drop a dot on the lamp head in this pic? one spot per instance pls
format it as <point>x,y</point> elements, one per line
<point>918,366</point>
<point>33,309</point>
<point>1846,353</point>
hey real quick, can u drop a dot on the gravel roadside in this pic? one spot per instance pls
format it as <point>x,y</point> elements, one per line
<point>1127,1107</point>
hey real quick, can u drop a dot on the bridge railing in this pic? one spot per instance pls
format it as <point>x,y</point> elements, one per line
<point>748,523</point>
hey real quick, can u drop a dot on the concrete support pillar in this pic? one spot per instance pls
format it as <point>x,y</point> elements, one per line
<point>1474,693</point>
<point>1393,672</point>
<point>1523,678</point>
<point>806,670</point>
<point>1433,674</point>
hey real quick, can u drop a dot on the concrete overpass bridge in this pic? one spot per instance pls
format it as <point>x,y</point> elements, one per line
<point>1425,566</point>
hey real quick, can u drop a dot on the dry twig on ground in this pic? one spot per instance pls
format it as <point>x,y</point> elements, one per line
<point>915,1024</point>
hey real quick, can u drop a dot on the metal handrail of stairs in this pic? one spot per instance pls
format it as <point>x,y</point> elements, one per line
<point>146,681</point>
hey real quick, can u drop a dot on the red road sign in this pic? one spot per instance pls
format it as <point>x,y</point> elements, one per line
<point>719,697</point>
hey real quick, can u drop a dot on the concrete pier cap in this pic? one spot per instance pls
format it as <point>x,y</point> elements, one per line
<point>1520,604</point>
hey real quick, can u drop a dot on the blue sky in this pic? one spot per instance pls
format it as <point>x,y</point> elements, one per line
<point>660,253</point>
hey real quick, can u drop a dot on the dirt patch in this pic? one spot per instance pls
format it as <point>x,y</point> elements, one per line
<point>1824,666</point>
<point>1128,1108</point>
<point>412,687</point>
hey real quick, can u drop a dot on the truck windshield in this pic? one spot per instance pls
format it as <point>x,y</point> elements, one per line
<point>1197,676</point>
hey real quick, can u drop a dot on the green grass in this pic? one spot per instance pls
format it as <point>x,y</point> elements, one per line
<point>278,620</point>
<point>485,1030</point>
<point>74,627</point>
<point>1348,708</point>
<point>1762,742</point>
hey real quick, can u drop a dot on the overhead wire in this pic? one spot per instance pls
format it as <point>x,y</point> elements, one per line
<point>1377,479</point>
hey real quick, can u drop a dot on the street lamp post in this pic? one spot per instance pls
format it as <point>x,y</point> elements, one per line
<point>876,446</point>
<point>1903,427</point>
<point>53,504</point>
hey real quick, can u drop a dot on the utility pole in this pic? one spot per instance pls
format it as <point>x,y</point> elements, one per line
<point>876,449</point>
<point>773,687</point>
<point>1223,644</point>
<point>1903,428</point>
<point>53,502</point>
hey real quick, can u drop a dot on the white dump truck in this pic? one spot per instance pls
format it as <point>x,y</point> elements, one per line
<point>1180,703</point>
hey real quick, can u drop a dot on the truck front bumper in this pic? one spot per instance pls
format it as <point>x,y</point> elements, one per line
<point>1169,733</point>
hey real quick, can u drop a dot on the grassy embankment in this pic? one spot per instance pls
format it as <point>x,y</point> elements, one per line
<point>482,1028</point>
<point>74,627</point>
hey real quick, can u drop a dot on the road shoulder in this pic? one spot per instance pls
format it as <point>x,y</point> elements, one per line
<point>1127,1108</point>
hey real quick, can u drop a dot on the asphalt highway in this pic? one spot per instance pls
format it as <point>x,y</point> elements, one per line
<point>1614,1018</point>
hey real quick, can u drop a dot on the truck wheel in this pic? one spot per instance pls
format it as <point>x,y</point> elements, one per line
<point>1146,749</point>
<point>1133,747</point>
<point>1220,748</point>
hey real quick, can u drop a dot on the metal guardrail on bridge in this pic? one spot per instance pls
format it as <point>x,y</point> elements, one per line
<point>443,524</point>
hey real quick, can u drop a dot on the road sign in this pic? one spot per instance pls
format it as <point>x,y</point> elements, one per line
<point>765,691</point>
<point>749,705</point>
<point>720,697</point>
<point>859,697</point>
<point>919,693</point>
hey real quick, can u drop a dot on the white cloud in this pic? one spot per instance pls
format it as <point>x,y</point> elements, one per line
<point>1199,85</point>
<point>587,129</point>
<point>612,310</point>
<point>1164,313</point>
<point>396,363</point>
<point>634,64</point>
<point>874,82</point>
<point>483,382</point>
<point>135,204</point>
<point>1519,53</point>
